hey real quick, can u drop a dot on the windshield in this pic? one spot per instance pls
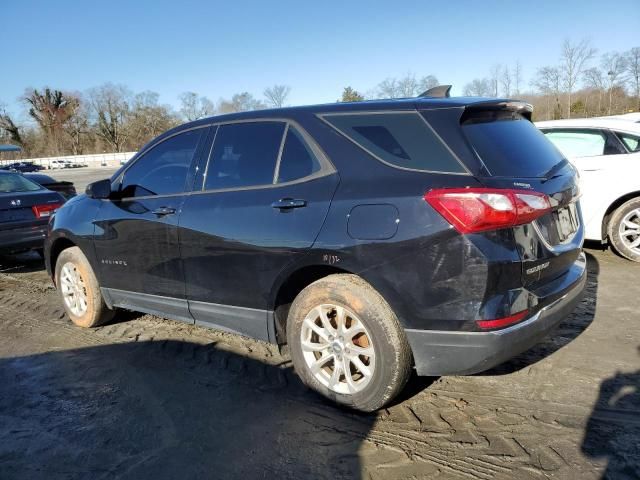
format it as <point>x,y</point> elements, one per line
<point>13,182</point>
<point>510,145</point>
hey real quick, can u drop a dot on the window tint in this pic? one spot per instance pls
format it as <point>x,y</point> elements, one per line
<point>632,142</point>
<point>244,154</point>
<point>577,143</point>
<point>401,139</point>
<point>509,144</point>
<point>298,160</point>
<point>163,169</point>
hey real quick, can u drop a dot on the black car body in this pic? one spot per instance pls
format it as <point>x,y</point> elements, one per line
<point>25,209</point>
<point>254,207</point>
<point>23,167</point>
<point>64,188</point>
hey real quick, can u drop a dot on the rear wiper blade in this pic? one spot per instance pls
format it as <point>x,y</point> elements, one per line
<point>553,170</point>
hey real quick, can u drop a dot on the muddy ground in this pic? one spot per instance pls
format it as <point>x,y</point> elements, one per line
<point>146,398</point>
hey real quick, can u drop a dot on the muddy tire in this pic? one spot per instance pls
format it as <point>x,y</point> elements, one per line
<point>347,344</point>
<point>623,230</point>
<point>79,290</point>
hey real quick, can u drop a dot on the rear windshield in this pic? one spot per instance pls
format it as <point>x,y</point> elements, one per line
<point>402,139</point>
<point>510,145</point>
<point>13,182</point>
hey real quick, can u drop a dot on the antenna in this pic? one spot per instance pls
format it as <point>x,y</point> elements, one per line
<point>441,91</point>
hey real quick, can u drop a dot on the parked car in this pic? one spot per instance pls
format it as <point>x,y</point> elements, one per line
<point>441,234</point>
<point>59,164</point>
<point>23,167</point>
<point>66,189</point>
<point>607,154</point>
<point>25,208</point>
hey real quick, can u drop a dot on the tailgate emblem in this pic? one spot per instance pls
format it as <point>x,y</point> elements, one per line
<point>537,268</point>
<point>15,203</point>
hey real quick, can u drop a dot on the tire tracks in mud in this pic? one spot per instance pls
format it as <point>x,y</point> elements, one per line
<point>480,438</point>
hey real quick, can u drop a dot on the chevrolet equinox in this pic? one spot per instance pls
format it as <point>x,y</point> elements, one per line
<point>373,238</point>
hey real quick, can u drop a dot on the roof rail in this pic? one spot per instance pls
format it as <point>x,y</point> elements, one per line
<point>441,91</point>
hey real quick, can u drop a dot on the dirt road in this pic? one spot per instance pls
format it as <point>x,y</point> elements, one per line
<point>150,398</point>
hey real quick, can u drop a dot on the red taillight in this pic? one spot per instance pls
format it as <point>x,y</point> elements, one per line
<point>44,211</point>
<point>472,210</point>
<point>501,322</point>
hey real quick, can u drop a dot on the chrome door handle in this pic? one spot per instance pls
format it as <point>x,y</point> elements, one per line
<point>287,203</point>
<point>162,211</point>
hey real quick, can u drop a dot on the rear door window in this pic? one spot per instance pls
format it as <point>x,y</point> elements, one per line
<point>401,139</point>
<point>244,155</point>
<point>298,160</point>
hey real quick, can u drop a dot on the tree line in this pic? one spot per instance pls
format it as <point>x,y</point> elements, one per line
<point>112,118</point>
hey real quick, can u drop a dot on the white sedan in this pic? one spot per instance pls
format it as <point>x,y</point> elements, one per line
<point>606,152</point>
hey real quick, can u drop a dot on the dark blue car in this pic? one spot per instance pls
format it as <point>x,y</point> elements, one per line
<point>437,234</point>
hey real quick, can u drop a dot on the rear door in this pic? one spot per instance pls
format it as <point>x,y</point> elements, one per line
<point>263,196</point>
<point>136,238</point>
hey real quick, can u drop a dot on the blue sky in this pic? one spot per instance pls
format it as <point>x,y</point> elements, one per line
<point>220,48</point>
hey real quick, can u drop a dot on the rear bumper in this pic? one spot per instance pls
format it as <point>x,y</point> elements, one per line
<point>23,238</point>
<point>464,353</point>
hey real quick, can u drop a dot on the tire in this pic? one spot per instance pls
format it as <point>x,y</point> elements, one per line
<point>626,214</point>
<point>371,327</point>
<point>73,269</point>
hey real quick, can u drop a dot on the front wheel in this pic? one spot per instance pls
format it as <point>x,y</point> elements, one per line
<point>347,344</point>
<point>79,289</point>
<point>624,230</point>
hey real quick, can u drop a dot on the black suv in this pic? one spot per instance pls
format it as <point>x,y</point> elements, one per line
<point>441,234</point>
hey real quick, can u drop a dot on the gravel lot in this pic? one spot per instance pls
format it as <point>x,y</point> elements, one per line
<point>149,398</point>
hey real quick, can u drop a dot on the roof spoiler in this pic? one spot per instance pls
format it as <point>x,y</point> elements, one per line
<point>523,108</point>
<point>441,91</point>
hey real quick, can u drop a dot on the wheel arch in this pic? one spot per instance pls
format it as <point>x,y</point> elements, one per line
<point>57,247</point>
<point>289,288</point>
<point>613,207</point>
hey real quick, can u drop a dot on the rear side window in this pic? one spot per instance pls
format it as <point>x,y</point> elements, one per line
<point>578,144</point>
<point>510,145</point>
<point>163,169</point>
<point>298,160</point>
<point>400,139</point>
<point>244,155</point>
<point>632,142</point>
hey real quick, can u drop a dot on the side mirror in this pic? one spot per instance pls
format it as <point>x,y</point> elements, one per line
<point>100,189</point>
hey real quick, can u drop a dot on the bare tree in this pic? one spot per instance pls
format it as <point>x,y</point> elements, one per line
<point>594,78</point>
<point>506,80</point>
<point>407,86</point>
<point>478,87</point>
<point>573,62</point>
<point>427,82</point>
<point>51,109</point>
<point>194,106</point>
<point>7,124</point>
<point>148,119</point>
<point>548,80</point>
<point>494,79</point>
<point>277,95</point>
<point>77,128</point>
<point>633,69</point>
<point>614,65</point>
<point>111,105</point>
<point>517,77</point>
<point>240,102</point>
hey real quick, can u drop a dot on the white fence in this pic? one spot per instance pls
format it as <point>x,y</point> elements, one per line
<point>95,160</point>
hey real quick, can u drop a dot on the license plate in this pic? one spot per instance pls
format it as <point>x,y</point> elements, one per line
<point>15,215</point>
<point>566,222</point>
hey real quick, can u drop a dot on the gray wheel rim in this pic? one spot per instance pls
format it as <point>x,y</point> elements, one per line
<point>338,349</point>
<point>629,231</point>
<point>74,290</point>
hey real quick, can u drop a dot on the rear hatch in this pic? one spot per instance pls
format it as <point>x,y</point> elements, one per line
<point>514,154</point>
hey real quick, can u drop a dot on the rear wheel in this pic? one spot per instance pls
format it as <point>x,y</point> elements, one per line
<point>347,344</point>
<point>79,290</point>
<point>624,230</point>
